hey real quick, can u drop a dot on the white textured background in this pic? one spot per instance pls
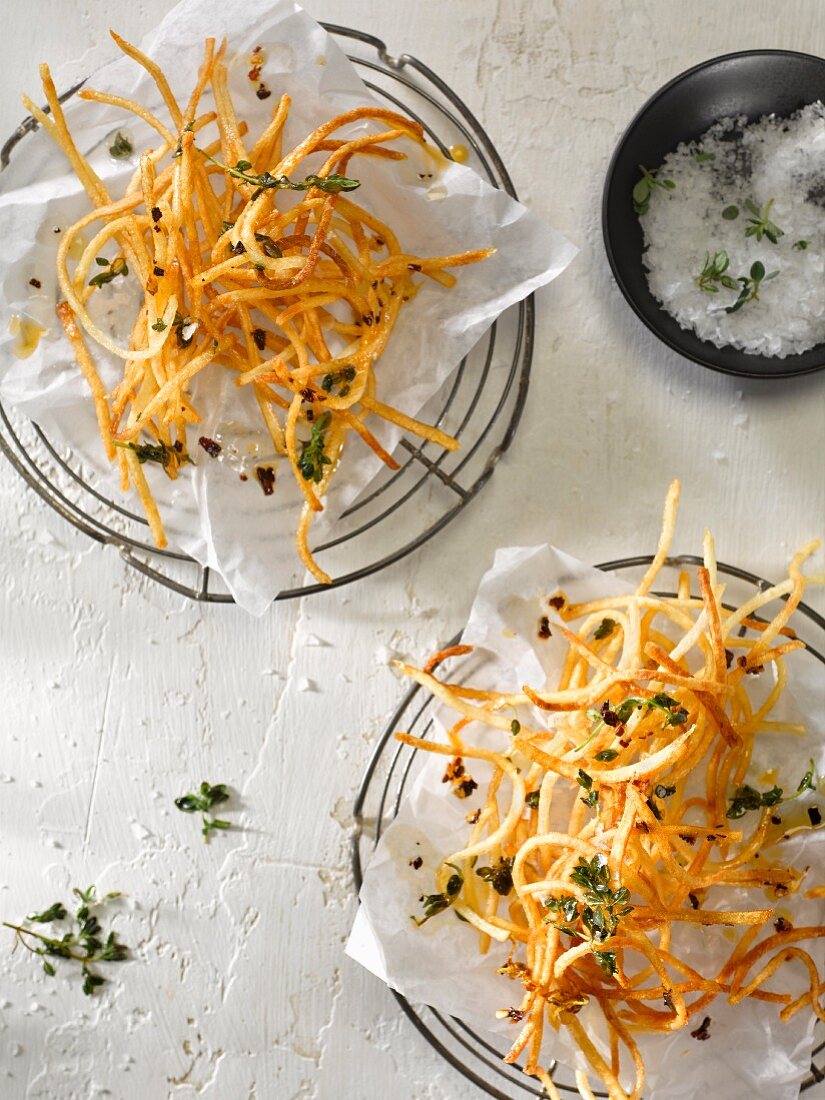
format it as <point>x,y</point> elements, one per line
<point>116,696</point>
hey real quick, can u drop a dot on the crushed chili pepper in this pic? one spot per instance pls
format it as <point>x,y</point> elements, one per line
<point>212,448</point>
<point>266,476</point>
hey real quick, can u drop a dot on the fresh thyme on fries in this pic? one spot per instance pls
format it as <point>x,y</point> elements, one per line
<point>298,303</point>
<point>650,738</point>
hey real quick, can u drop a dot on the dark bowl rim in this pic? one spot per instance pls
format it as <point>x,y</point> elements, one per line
<point>608,244</point>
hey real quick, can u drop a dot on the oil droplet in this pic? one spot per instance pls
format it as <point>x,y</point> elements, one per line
<point>436,193</point>
<point>320,59</point>
<point>77,247</point>
<point>28,335</point>
<point>459,153</point>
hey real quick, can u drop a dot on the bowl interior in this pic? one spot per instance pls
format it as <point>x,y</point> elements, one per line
<point>755,83</point>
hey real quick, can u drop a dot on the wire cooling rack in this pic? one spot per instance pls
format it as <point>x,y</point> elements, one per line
<point>378,800</point>
<point>481,403</point>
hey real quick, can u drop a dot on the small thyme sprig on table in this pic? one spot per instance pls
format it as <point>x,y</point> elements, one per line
<point>208,796</point>
<point>437,903</point>
<point>83,940</point>
<point>165,456</point>
<point>114,267</point>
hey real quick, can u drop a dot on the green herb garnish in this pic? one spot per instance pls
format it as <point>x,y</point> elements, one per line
<point>268,246</point>
<point>159,325</point>
<point>159,452</point>
<point>730,213</point>
<point>312,458</point>
<point>114,267</point>
<point>713,273</point>
<point>606,755</point>
<point>83,940</point>
<point>585,781</point>
<point>700,158</point>
<point>532,799</point>
<point>121,147</point>
<point>599,913</point>
<point>676,714</point>
<point>437,903</point>
<point>751,285</point>
<point>644,188</point>
<point>605,629</point>
<point>800,246</point>
<point>500,876</point>
<point>209,795</point>
<point>341,378</point>
<point>332,184</point>
<point>760,225</point>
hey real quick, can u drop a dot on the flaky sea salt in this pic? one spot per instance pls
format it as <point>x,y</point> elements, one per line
<point>774,158</point>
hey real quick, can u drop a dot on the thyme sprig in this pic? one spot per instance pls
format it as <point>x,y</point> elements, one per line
<point>160,452</point>
<point>208,796</point>
<point>714,275</point>
<point>747,798</point>
<point>114,267</point>
<point>750,285</point>
<point>499,876</point>
<point>437,903</point>
<point>760,224</point>
<point>333,184</point>
<point>313,458</point>
<point>644,189</point>
<point>83,941</point>
<point>600,911</point>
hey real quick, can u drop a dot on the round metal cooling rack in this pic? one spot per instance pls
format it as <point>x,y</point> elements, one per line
<point>378,801</point>
<point>481,403</point>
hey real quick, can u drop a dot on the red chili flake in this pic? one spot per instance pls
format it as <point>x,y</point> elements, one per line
<point>472,818</point>
<point>702,1031</point>
<point>728,658</point>
<point>212,448</point>
<point>413,267</point>
<point>259,338</point>
<point>609,717</point>
<point>515,1014</point>
<point>557,602</point>
<point>694,901</point>
<point>35,283</point>
<point>308,395</point>
<point>815,816</point>
<point>263,92</point>
<point>254,73</point>
<point>416,863</point>
<point>158,271</point>
<point>782,925</point>
<point>177,446</point>
<point>667,997</point>
<point>157,213</point>
<point>367,319</point>
<point>643,826</point>
<point>455,770</point>
<point>379,242</point>
<point>266,476</point>
<point>776,820</point>
<point>465,788</point>
<point>688,838</point>
<point>243,477</point>
<point>544,627</point>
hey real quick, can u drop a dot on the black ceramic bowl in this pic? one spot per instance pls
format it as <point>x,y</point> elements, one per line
<point>753,83</point>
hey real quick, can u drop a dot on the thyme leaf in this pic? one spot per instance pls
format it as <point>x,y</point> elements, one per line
<point>202,802</point>
<point>313,458</point>
<point>644,189</point>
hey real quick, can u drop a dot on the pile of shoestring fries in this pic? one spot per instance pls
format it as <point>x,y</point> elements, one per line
<point>298,303</point>
<point>654,693</point>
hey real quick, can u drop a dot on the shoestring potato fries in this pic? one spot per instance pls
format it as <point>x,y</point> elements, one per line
<point>589,907</point>
<point>298,302</point>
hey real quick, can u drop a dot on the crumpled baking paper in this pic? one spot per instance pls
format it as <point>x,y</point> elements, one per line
<point>209,513</point>
<point>750,1055</point>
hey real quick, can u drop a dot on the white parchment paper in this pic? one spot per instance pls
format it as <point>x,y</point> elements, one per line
<point>750,1054</point>
<point>208,512</point>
